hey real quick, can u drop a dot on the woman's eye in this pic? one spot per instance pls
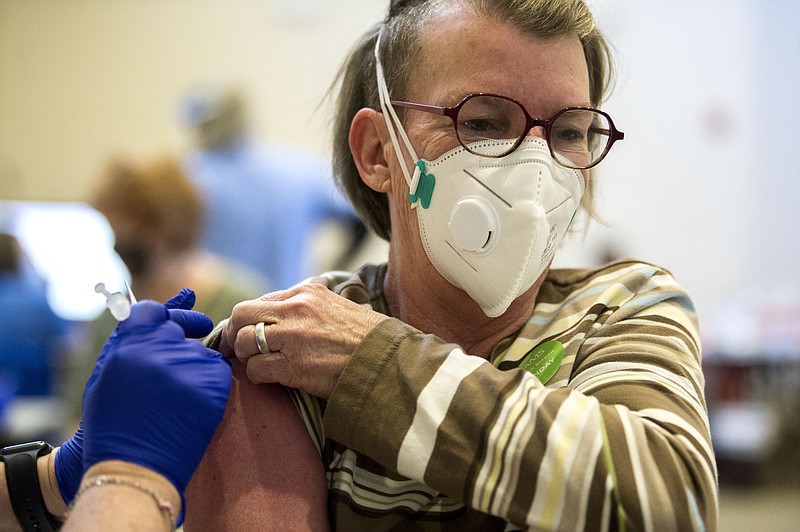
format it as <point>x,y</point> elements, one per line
<point>483,127</point>
<point>571,135</point>
<point>477,124</point>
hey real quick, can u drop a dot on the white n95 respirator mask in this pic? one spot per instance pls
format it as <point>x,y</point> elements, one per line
<point>490,226</point>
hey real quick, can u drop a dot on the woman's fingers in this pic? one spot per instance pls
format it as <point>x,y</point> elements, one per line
<point>308,335</point>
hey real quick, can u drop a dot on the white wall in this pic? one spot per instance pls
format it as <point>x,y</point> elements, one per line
<point>706,182</point>
<point>83,79</point>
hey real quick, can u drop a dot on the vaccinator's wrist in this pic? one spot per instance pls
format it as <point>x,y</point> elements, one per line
<point>25,468</point>
<point>145,480</point>
<point>48,481</point>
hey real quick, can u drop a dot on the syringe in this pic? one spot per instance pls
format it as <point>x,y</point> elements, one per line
<point>118,303</point>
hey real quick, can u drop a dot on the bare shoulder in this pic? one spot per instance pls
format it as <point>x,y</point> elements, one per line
<point>261,471</point>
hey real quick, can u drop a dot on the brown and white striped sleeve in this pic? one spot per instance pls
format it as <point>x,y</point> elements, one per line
<point>617,440</point>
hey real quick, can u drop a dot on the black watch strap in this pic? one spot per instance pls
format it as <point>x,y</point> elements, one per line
<point>24,490</point>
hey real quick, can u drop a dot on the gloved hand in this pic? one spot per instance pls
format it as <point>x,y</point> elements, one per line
<point>157,399</point>
<point>69,459</point>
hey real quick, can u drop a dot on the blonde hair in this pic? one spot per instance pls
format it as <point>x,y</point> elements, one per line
<point>156,194</point>
<point>399,48</point>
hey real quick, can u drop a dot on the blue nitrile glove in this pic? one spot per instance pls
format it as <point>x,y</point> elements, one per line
<point>157,399</point>
<point>195,324</point>
<point>69,459</point>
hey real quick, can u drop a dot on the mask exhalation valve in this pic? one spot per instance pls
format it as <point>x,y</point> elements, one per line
<point>473,224</point>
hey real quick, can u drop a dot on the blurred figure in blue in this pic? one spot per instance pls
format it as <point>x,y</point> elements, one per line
<point>30,332</point>
<point>265,202</point>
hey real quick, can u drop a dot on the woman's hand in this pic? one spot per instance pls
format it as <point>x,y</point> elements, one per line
<point>311,333</point>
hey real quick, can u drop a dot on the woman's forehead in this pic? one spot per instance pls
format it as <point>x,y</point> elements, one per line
<point>466,53</point>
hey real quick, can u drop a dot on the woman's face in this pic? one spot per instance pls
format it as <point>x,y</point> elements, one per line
<point>139,246</point>
<point>462,54</point>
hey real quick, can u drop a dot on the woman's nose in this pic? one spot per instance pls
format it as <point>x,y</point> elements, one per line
<point>537,131</point>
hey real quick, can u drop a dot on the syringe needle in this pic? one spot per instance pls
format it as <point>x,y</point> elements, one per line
<point>130,293</point>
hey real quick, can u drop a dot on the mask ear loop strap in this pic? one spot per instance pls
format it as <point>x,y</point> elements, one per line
<point>392,122</point>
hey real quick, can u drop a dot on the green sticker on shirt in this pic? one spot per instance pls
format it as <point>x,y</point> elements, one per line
<point>544,360</point>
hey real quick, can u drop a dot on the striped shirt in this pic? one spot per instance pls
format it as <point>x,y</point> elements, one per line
<point>419,435</point>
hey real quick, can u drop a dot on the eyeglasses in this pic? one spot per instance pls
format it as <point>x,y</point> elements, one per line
<point>494,126</point>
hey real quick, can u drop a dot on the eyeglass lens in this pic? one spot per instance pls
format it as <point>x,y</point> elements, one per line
<point>577,137</point>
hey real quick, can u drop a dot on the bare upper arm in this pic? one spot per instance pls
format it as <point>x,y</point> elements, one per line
<point>261,471</point>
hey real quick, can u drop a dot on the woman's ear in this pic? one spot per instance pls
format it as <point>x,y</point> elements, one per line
<point>368,135</point>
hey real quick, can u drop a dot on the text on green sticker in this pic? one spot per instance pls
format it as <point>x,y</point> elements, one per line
<point>544,360</point>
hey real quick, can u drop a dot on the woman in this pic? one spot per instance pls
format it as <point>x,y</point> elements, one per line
<point>464,384</point>
<point>156,214</point>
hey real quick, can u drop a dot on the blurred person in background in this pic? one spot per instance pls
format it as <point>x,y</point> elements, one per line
<point>31,334</point>
<point>156,216</point>
<point>265,202</point>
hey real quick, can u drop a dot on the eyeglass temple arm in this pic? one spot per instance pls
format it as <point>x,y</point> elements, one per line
<point>612,133</point>
<point>435,109</point>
